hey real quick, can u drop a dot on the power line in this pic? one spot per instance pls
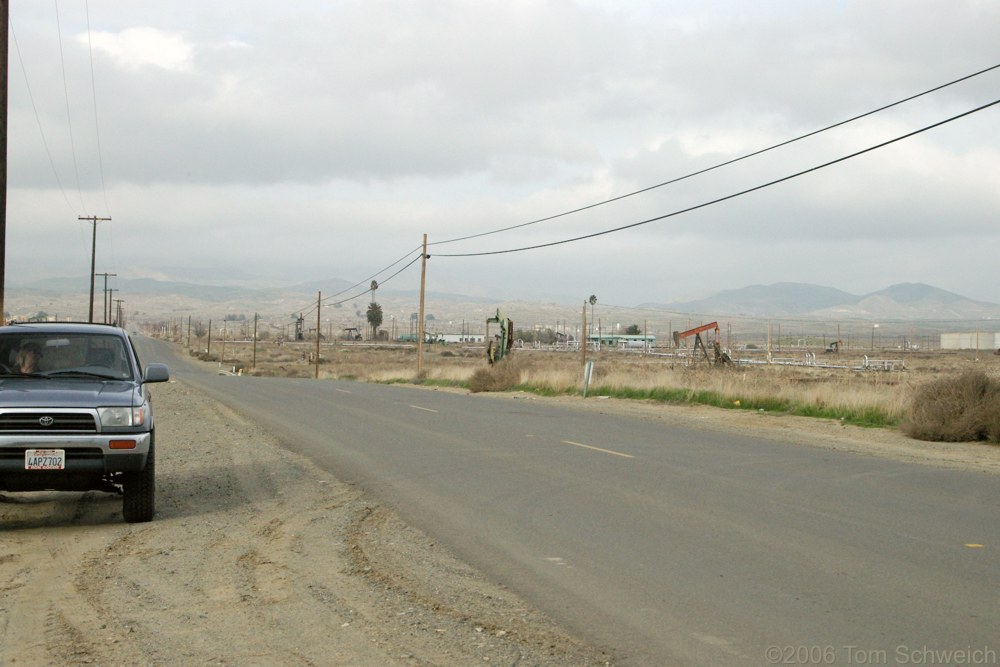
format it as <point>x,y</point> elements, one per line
<point>721,164</point>
<point>360,294</point>
<point>367,280</point>
<point>97,126</point>
<point>38,119</point>
<point>730,196</point>
<point>69,117</point>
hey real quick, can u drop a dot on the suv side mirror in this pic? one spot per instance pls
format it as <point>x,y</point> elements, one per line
<point>156,373</point>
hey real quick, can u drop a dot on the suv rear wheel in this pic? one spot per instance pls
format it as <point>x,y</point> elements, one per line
<point>139,488</point>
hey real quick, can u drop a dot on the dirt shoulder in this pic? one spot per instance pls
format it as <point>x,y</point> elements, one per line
<point>255,558</point>
<point>258,558</point>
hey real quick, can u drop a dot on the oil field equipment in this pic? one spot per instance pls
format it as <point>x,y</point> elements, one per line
<point>499,344</point>
<point>720,357</point>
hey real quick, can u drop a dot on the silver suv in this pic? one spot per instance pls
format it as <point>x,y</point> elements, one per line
<point>75,413</point>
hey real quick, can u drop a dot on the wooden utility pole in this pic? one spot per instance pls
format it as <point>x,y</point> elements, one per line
<point>319,303</point>
<point>111,299</point>
<point>93,258</point>
<point>107,302</point>
<point>4,20</point>
<point>420,324</point>
<point>254,362</point>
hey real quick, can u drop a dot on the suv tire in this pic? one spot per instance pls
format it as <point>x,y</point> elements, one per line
<point>139,490</point>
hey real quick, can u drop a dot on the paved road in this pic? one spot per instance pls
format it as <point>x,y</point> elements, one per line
<point>670,546</point>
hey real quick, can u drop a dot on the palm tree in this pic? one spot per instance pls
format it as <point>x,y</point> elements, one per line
<point>371,314</point>
<point>592,300</point>
<point>374,317</point>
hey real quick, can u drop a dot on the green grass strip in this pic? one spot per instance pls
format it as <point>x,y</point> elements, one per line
<point>869,417</point>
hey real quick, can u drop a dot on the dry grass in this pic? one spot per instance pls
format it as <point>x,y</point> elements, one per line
<point>874,398</point>
<point>505,375</point>
<point>959,408</point>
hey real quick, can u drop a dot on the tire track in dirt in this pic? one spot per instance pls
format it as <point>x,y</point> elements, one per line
<point>255,557</point>
<point>44,618</point>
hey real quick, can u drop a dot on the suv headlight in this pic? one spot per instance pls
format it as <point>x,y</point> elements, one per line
<point>118,417</point>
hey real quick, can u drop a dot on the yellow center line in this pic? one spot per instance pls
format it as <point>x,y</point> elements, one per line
<point>598,449</point>
<point>417,407</point>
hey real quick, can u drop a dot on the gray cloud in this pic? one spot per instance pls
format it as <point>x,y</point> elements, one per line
<point>322,139</point>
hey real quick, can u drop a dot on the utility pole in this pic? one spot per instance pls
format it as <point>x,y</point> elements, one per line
<point>93,257</point>
<point>111,299</point>
<point>420,324</point>
<point>120,313</point>
<point>254,362</point>
<point>319,304</point>
<point>107,303</point>
<point>4,20</point>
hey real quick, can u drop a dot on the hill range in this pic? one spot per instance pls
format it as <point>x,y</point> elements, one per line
<point>146,299</point>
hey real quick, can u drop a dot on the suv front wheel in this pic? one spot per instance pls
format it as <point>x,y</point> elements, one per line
<point>139,490</point>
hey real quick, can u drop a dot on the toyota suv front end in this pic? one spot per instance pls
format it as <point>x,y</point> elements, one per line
<point>76,413</point>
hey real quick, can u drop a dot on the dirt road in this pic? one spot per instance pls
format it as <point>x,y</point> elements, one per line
<point>255,558</point>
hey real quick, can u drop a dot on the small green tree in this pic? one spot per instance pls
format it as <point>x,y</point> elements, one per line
<point>374,317</point>
<point>544,336</point>
<point>633,330</point>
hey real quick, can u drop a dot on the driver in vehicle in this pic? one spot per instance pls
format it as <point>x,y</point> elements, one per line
<point>26,361</point>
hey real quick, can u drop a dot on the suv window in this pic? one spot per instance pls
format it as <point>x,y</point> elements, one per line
<point>33,354</point>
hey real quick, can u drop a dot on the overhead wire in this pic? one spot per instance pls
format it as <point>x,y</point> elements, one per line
<point>97,135</point>
<point>721,164</point>
<point>97,125</point>
<point>408,265</point>
<point>730,196</point>
<point>38,119</point>
<point>675,180</point>
<point>69,116</point>
<point>305,310</point>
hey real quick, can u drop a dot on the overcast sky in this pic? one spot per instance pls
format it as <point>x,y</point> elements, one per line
<point>281,142</point>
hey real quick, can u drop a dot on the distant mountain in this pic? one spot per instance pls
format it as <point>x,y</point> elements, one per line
<point>918,293</point>
<point>327,286</point>
<point>147,286</point>
<point>775,300</point>
<point>902,301</point>
<point>912,301</point>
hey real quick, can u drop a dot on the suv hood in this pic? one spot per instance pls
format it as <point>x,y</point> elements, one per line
<point>66,393</point>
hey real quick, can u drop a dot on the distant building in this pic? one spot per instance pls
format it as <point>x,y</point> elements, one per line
<point>461,338</point>
<point>623,341</point>
<point>970,341</point>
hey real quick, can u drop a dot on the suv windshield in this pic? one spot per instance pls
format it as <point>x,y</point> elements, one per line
<point>33,354</point>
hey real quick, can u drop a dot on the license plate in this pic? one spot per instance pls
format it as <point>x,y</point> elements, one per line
<point>45,459</point>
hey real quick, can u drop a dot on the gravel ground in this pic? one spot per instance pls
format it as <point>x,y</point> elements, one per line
<point>258,558</point>
<point>255,558</point>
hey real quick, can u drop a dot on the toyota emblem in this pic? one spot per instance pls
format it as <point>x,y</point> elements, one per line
<point>46,421</point>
